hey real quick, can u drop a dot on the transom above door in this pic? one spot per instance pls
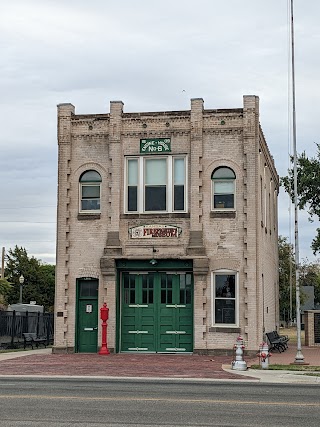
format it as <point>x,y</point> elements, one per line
<point>156,312</point>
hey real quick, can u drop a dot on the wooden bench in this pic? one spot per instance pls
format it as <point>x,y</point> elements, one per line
<point>275,343</point>
<point>30,338</point>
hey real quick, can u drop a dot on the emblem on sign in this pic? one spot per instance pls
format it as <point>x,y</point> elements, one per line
<point>154,231</point>
<point>155,145</point>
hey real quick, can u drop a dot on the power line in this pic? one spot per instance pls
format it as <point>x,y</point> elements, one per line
<point>30,222</point>
<point>37,241</point>
<point>28,207</point>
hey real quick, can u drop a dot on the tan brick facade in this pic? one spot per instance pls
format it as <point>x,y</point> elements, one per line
<point>242,240</point>
<point>312,328</point>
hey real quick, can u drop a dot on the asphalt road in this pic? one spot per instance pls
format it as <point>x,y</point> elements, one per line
<point>87,402</point>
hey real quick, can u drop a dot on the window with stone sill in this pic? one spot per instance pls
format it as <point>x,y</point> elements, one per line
<point>90,189</point>
<point>223,189</point>
<point>224,298</point>
<point>156,184</point>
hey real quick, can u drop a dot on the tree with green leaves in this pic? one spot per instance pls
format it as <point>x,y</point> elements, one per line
<point>286,269</point>
<point>5,289</point>
<point>39,278</point>
<point>310,276</point>
<point>308,185</point>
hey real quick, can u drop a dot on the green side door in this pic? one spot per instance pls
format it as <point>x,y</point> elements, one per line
<point>87,317</point>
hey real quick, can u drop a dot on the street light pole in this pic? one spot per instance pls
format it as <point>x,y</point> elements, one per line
<point>21,281</point>
<point>299,359</point>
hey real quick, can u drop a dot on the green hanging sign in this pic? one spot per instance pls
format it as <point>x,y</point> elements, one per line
<point>155,145</point>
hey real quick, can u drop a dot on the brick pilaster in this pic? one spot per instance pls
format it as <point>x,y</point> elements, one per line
<point>65,113</point>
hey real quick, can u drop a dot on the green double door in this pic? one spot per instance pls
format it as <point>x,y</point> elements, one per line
<point>156,312</point>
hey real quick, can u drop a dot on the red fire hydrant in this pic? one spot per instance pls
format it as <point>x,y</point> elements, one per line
<point>104,315</point>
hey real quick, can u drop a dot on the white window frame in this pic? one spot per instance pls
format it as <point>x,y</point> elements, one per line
<point>169,184</point>
<point>223,180</point>
<point>88,184</point>
<point>213,297</point>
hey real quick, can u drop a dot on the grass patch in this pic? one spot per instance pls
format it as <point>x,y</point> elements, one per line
<point>303,368</point>
<point>12,350</point>
<point>292,334</point>
<point>312,374</point>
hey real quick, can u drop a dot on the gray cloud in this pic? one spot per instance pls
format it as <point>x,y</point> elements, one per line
<point>153,56</point>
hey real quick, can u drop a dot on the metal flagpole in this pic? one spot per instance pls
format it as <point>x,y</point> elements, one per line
<point>299,356</point>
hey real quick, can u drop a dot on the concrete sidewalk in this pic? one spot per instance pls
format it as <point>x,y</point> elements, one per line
<point>43,363</point>
<point>311,356</point>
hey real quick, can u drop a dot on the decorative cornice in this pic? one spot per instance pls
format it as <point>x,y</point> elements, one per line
<point>93,117</point>
<point>157,115</point>
<point>156,133</point>
<point>102,136</point>
<point>224,131</point>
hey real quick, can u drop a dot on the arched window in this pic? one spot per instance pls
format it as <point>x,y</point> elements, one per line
<point>90,183</point>
<point>223,188</point>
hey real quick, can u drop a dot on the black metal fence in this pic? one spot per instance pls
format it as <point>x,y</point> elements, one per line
<point>13,324</point>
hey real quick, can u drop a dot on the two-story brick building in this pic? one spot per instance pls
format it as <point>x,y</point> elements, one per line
<point>171,218</point>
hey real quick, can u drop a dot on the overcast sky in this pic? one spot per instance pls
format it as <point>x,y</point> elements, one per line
<point>153,56</point>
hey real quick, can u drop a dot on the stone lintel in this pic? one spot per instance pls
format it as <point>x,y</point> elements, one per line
<point>200,266</point>
<point>108,266</point>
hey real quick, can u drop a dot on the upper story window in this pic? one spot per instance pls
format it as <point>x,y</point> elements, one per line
<point>156,184</point>
<point>90,187</point>
<point>223,188</point>
<point>225,300</point>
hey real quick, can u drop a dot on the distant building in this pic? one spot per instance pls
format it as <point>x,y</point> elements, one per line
<point>308,301</point>
<point>171,218</point>
<point>308,298</point>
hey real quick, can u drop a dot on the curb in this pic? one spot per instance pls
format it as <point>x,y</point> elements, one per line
<point>126,379</point>
<point>281,377</point>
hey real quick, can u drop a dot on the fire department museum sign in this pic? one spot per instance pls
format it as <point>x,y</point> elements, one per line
<point>154,230</point>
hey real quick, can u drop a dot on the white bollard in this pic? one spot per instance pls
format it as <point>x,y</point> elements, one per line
<point>239,364</point>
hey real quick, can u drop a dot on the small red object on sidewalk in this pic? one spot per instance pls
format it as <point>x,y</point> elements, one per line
<point>104,315</point>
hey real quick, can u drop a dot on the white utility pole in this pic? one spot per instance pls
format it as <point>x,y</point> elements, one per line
<point>299,359</point>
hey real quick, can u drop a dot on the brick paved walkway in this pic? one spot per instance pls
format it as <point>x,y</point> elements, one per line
<point>311,356</point>
<point>120,365</point>
<point>43,362</point>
